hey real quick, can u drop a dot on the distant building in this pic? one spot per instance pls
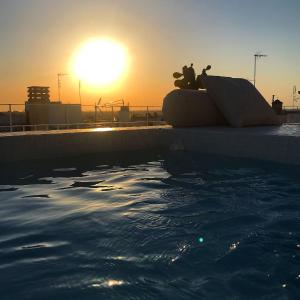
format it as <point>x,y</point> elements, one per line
<point>40,110</point>
<point>124,114</point>
<point>277,105</point>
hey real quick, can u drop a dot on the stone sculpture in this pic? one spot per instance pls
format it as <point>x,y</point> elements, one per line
<point>225,100</point>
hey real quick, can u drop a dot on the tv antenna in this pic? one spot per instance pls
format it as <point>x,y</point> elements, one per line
<point>295,95</point>
<point>59,83</point>
<point>257,56</point>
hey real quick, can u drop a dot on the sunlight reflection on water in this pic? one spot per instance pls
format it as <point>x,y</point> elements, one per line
<point>103,129</point>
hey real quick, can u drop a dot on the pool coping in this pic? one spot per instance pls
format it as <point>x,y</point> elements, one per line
<point>273,143</point>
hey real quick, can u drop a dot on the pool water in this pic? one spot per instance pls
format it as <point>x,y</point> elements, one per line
<point>150,226</point>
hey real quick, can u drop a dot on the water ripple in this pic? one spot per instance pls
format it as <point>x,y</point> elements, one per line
<point>150,227</point>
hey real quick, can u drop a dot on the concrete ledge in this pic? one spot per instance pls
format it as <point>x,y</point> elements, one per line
<point>285,149</point>
<point>280,144</point>
<point>272,143</point>
<point>54,144</point>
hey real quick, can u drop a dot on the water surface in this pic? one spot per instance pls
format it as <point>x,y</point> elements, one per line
<point>149,226</point>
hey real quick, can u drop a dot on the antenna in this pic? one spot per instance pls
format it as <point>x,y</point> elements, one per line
<point>295,97</point>
<point>79,91</point>
<point>59,83</point>
<point>257,55</point>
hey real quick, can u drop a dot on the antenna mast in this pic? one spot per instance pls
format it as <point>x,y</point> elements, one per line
<point>256,56</point>
<point>59,83</point>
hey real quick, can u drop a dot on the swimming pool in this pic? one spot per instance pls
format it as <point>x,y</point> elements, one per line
<point>149,226</point>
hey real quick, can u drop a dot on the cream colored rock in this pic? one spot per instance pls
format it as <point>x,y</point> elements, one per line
<point>191,108</point>
<point>239,101</point>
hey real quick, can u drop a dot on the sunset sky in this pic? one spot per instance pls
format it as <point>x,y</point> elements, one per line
<point>39,39</point>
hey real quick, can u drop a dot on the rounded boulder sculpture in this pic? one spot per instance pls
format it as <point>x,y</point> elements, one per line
<point>191,108</point>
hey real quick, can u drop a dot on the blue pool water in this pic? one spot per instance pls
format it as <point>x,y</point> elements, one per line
<point>150,226</point>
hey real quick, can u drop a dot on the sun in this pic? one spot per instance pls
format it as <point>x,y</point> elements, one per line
<point>100,62</point>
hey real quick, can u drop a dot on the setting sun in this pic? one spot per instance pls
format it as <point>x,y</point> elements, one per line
<point>100,62</point>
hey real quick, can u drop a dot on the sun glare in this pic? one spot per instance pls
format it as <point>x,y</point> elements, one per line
<point>100,62</point>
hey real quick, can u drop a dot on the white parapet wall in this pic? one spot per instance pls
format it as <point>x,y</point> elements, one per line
<point>280,144</point>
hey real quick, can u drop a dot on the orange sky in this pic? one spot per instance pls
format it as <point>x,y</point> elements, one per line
<point>160,36</point>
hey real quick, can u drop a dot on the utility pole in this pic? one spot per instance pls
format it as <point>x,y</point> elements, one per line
<point>256,56</point>
<point>59,83</point>
<point>294,94</point>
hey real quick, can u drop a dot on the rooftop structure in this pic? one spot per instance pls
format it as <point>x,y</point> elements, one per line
<point>38,94</point>
<point>39,109</point>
